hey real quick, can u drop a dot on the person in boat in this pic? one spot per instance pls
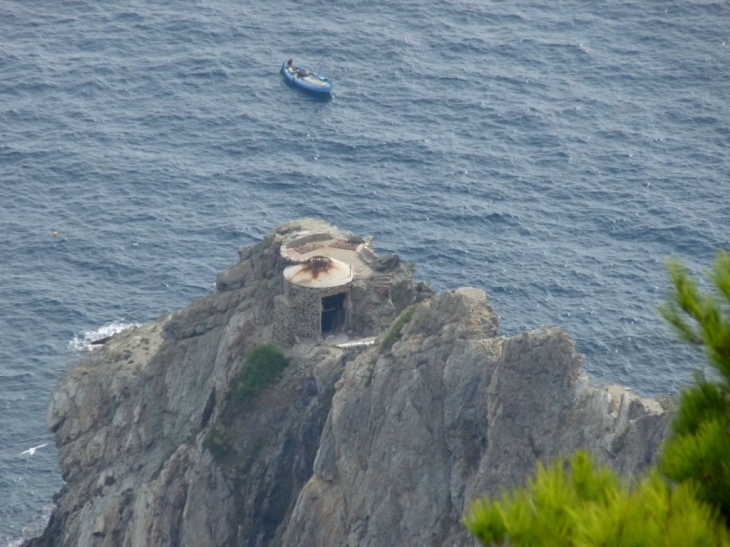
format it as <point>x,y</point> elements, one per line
<point>290,64</point>
<point>302,73</point>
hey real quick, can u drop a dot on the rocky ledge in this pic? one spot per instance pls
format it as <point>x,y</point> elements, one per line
<point>375,444</point>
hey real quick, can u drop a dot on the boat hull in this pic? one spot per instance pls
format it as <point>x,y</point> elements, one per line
<point>304,79</point>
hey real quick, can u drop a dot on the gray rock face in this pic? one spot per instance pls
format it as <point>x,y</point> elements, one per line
<point>451,413</point>
<point>378,446</point>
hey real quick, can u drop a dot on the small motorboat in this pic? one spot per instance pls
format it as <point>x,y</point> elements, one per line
<point>306,79</point>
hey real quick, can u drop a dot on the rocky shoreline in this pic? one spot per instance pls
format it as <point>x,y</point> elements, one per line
<point>380,444</point>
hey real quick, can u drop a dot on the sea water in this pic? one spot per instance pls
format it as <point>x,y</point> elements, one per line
<point>553,154</point>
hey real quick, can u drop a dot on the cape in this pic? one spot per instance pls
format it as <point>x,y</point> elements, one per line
<point>377,433</point>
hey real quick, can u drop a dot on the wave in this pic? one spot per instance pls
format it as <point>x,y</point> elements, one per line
<point>33,530</point>
<point>83,341</point>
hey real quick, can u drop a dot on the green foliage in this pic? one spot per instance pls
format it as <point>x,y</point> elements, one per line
<point>262,367</point>
<point>703,319</point>
<point>698,449</point>
<point>217,442</point>
<point>703,459</point>
<point>393,334</point>
<point>703,402</point>
<point>589,506</point>
<point>371,372</point>
<point>395,331</point>
<point>580,504</point>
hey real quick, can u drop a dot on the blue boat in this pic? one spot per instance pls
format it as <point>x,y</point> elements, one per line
<point>306,79</point>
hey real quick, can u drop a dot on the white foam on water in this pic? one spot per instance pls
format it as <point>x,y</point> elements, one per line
<point>31,531</point>
<point>82,341</point>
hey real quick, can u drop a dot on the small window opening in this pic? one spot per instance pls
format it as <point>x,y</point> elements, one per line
<point>334,313</point>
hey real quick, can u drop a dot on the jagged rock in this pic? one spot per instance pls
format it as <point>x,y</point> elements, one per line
<point>451,413</point>
<point>386,263</point>
<point>384,445</point>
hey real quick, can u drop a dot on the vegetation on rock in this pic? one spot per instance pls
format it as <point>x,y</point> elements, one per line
<point>217,442</point>
<point>395,331</point>
<point>261,368</point>
<point>589,505</point>
<point>685,499</point>
<point>698,449</point>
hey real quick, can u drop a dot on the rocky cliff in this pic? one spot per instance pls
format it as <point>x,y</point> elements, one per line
<point>371,445</point>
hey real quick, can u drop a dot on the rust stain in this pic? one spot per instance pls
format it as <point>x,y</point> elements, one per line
<point>317,264</point>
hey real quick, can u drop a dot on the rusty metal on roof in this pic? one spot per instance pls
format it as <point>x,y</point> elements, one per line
<point>318,264</point>
<point>319,272</point>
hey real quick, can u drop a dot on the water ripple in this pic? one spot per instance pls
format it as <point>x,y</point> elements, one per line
<point>551,154</point>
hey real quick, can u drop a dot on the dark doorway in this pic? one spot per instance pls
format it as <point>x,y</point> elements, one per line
<point>334,313</point>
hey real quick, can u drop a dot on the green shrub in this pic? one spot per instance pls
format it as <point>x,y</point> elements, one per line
<point>217,442</point>
<point>395,331</point>
<point>698,449</point>
<point>588,505</point>
<point>261,368</point>
<point>685,500</point>
<point>371,372</point>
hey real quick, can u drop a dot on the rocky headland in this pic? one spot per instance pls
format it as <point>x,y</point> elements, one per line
<point>379,443</point>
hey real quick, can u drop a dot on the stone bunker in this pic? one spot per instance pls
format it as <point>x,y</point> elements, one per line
<point>329,288</point>
<point>319,291</point>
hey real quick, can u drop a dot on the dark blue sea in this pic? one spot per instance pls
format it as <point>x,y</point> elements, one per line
<point>552,153</point>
